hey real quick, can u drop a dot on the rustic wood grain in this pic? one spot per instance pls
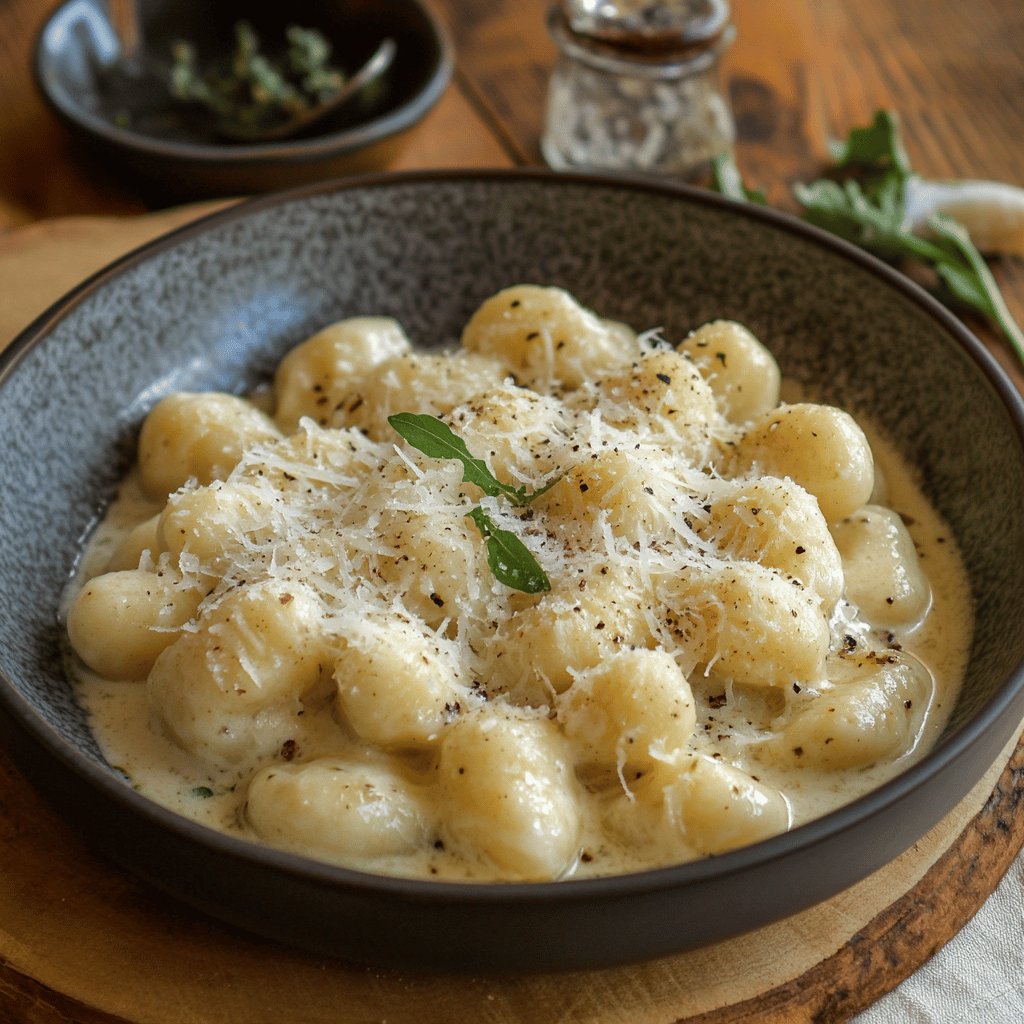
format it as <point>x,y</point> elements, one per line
<point>800,74</point>
<point>955,74</point>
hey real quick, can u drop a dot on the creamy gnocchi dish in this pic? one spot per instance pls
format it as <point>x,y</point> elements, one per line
<point>564,601</point>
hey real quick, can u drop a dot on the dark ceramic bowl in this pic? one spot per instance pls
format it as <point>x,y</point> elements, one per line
<point>129,125</point>
<point>216,304</point>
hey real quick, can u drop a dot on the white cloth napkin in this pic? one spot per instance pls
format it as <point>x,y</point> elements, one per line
<point>978,978</point>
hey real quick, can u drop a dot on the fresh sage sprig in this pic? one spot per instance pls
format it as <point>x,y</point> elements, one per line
<point>864,201</point>
<point>507,556</point>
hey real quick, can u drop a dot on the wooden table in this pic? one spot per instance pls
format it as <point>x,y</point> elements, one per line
<point>799,72</point>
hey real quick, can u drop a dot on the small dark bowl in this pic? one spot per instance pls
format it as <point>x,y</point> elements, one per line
<point>216,304</point>
<point>131,126</point>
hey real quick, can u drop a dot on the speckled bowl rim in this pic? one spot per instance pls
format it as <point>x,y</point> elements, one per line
<point>734,863</point>
<point>300,150</point>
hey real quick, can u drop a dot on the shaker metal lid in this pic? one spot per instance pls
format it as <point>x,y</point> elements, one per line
<point>661,55</point>
<point>643,29</point>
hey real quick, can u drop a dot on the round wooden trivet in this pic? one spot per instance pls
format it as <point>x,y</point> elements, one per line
<point>80,941</point>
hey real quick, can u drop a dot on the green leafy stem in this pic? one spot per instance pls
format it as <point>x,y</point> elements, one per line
<point>509,559</point>
<point>864,201</point>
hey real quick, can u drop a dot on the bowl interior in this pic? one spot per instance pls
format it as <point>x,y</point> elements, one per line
<point>77,52</point>
<point>216,305</point>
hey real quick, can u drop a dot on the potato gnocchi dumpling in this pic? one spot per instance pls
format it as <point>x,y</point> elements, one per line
<point>204,529</point>
<point>820,447</point>
<point>600,604</point>
<point>704,807</point>
<point>197,436</point>
<point>661,395</point>
<point>537,651</point>
<point>232,689</point>
<point>143,610</point>
<point>319,377</point>
<point>136,542</point>
<point>506,780</point>
<point>741,373</point>
<point>629,713</point>
<point>630,492</point>
<point>884,576</point>
<point>338,810</point>
<point>416,380</point>
<point>519,433</point>
<point>397,688</point>
<point>544,337</point>
<point>873,712</point>
<point>721,807</point>
<point>777,523</point>
<point>436,561</point>
<point>751,624</point>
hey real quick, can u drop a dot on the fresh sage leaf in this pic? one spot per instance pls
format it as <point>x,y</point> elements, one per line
<point>508,557</point>
<point>436,439</point>
<point>878,145</point>
<point>968,278</point>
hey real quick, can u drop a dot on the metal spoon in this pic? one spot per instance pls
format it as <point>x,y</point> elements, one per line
<point>124,20</point>
<point>378,63</point>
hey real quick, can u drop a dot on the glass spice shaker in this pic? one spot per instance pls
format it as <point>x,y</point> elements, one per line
<point>637,86</point>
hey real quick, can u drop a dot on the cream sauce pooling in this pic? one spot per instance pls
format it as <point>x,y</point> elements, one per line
<point>131,740</point>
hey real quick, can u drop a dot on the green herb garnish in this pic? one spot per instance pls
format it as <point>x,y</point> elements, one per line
<point>728,181</point>
<point>201,792</point>
<point>864,201</point>
<point>508,557</point>
<point>250,90</point>
<point>875,146</point>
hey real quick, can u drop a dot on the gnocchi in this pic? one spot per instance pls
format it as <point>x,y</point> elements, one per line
<point>543,336</point>
<point>870,713</point>
<point>628,714</point>
<point>505,776</point>
<point>144,610</point>
<point>233,689</point>
<point>338,810</point>
<point>396,688</point>
<point>320,377</point>
<point>820,447</point>
<point>883,573</point>
<point>734,628</point>
<point>741,373</point>
<point>197,436</point>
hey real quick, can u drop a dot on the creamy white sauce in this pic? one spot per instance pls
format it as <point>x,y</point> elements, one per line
<point>132,741</point>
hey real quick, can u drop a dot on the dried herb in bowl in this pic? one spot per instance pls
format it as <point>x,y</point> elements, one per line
<point>250,91</point>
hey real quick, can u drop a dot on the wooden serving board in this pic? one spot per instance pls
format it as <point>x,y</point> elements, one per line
<point>80,941</point>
